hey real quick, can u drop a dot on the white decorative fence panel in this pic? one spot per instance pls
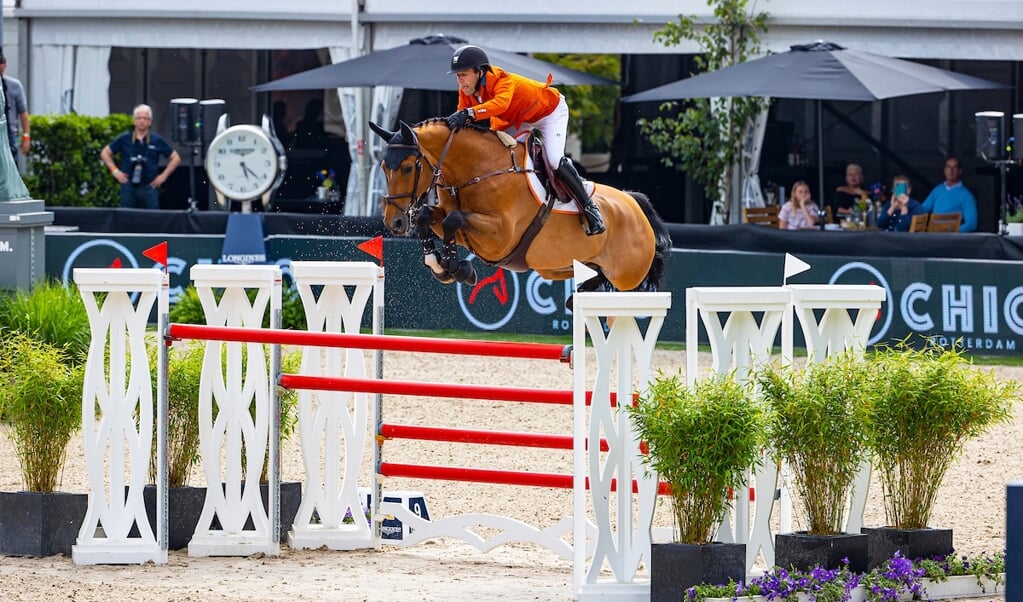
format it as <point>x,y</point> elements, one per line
<point>623,519</point>
<point>335,426</point>
<point>119,424</point>
<point>238,414</point>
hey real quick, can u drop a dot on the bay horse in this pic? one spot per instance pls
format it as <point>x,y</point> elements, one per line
<point>484,203</point>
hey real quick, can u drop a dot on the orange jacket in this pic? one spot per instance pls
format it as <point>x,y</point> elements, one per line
<point>509,100</point>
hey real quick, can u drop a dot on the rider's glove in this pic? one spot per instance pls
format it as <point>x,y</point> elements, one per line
<point>459,119</point>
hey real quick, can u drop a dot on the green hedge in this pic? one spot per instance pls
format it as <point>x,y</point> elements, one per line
<point>64,168</point>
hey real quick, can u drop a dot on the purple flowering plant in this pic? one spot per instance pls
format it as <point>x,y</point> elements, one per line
<point>898,579</point>
<point>819,585</point>
<point>982,566</point>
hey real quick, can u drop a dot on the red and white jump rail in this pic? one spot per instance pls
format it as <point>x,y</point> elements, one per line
<point>833,318</point>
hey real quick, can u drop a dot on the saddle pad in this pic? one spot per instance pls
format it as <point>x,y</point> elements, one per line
<point>536,187</point>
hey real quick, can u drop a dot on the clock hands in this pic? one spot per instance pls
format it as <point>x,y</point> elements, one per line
<point>247,171</point>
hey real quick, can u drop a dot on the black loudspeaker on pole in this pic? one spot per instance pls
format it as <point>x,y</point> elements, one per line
<point>210,111</point>
<point>990,135</point>
<point>186,120</point>
<point>1017,136</point>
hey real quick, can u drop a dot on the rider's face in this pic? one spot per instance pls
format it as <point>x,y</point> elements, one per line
<point>467,80</point>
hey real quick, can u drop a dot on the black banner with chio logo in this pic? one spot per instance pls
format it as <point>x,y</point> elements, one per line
<point>975,302</point>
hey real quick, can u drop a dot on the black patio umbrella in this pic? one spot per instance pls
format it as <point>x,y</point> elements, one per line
<point>818,71</point>
<point>421,64</point>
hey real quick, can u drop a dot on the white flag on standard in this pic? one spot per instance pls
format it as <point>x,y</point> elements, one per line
<point>793,266</point>
<point>582,272</point>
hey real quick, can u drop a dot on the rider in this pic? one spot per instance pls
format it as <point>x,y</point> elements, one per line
<point>516,103</point>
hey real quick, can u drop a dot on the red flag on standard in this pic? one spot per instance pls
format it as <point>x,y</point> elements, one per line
<point>374,247</point>
<point>157,253</point>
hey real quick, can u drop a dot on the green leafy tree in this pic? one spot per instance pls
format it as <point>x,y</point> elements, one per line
<point>705,137</point>
<point>591,108</point>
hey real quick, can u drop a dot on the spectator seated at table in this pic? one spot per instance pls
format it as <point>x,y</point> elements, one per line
<point>897,214</point>
<point>951,196</point>
<point>847,194</point>
<point>799,212</point>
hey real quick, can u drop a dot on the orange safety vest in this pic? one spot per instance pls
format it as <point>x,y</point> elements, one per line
<point>509,100</point>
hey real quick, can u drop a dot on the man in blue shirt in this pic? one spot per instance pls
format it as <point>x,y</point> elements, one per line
<point>139,172</point>
<point>951,196</point>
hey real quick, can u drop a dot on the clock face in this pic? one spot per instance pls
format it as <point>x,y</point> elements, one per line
<point>241,162</point>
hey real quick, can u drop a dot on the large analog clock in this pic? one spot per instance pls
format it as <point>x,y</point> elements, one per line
<point>245,162</point>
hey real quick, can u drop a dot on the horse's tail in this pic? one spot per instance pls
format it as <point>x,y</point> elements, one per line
<point>662,244</point>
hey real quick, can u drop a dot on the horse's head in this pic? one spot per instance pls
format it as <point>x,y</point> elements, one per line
<point>407,184</point>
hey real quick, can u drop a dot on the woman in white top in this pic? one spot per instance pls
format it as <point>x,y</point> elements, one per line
<point>800,212</point>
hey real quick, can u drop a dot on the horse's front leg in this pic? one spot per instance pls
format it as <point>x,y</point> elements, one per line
<point>461,269</point>
<point>431,256</point>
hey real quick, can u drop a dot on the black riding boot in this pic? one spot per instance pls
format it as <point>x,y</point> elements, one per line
<point>595,223</point>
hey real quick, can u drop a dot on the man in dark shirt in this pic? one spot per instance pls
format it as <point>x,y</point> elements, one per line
<point>139,171</point>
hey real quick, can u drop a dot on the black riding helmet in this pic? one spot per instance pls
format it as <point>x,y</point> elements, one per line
<point>469,57</point>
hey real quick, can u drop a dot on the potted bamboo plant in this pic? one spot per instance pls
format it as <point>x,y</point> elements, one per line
<point>816,430</point>
<point>702,440</point>
<point>44,335</point>
<point>926,404</point>
<point>40,401</point>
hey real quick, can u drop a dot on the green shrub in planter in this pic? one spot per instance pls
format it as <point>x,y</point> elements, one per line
<point>702,441</point>
<point>926,404</point>
<point>41,400</point>
<point>50,312</point>
<point>817,429</point>
<point>184,369</point>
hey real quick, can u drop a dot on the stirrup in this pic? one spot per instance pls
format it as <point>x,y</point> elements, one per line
<point>594,221</point>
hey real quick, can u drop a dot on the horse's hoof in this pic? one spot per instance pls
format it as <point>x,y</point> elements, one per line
<point>443,278</point>
<point>464,273</point>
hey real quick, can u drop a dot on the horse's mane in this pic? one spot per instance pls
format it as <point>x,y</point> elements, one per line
<point>474,126</point>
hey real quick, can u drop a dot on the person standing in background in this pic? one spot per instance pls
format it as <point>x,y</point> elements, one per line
<point>17,112</point>
<point>139,173</point>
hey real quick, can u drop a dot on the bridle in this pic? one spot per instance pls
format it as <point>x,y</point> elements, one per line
<point>415,203</point>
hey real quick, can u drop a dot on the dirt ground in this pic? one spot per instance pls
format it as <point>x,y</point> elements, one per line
<point>971,502</point>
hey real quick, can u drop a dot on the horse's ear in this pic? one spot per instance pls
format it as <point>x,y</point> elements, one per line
<point>407,135</point>
<point>381,131</point>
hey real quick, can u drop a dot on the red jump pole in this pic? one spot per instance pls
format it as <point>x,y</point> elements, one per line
<point>453,435</point>
<point>538,351</point>
<point>425,389</point>
<point>496,477</point>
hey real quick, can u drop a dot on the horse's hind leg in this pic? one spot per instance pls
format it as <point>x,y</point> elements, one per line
<point>461,269</point>
<point>431,257</point>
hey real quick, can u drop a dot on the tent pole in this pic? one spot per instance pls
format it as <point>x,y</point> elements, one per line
<point>820,155</point>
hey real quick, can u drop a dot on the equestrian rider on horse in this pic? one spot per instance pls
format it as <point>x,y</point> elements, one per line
<point>515,103</point>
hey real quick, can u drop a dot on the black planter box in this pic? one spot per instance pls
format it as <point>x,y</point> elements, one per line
<point>40,524</point>
<point>184,505</point>
<point>803,552</point>
<point>291,499</point>
<point>913,543</point>
<point>675,567</point>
